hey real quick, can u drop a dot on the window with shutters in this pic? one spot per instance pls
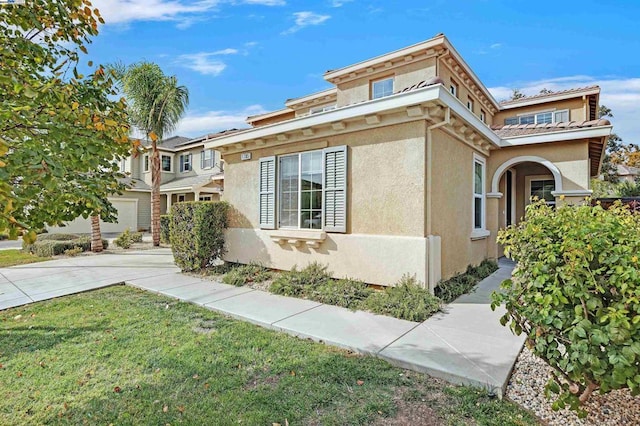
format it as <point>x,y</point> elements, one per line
<point>206,159</point>
<point>185,163</point>
<point>311,190</point>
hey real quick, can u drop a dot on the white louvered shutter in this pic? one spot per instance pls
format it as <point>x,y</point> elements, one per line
<point>335,189</point>
<point>268,193</point>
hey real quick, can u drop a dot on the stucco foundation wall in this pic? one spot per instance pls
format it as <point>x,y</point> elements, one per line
<point>385,178</point>
<point>144,207</point>
<point>452,197</point>
<point>375,259</point>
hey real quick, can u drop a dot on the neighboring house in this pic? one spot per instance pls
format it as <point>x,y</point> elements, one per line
<point>627,173</point>
<point>407,164</point>
<point>189,172</point>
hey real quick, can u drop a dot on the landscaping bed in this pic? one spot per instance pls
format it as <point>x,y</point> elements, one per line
<point>124,356</point>
<point>407,299</point>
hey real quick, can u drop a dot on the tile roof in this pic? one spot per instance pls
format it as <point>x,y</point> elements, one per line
<point>135,184</point>
<point>547,95</point>
<point>169,143</point>
<point>513,130</point>
<point>209,136</point>
<point>423,83</point>
<point>188,182</point>
<point>624,170</point>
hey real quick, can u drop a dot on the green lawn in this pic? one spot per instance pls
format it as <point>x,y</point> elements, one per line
<point>124,356</point>
<point>14,257</point>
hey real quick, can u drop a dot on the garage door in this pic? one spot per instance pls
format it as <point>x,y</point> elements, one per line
<point>127,218</point>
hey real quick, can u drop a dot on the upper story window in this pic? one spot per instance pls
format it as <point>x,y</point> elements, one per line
<point>165,163</point>
<point>122,165</point>
<point>483,116</point>
<point>206,159</point>
<point>382,88</point>
<point>453,88</point>
<point>470,104</point>
<point>145,163</point>
<point>319,109</point>
<point>186,163</point>
<point>539,117</point>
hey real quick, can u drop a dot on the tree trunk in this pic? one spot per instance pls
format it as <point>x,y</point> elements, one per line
<point>155,193</point>
<point>96,235</point>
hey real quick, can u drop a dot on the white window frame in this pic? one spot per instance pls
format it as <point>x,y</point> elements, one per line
<point>533,178</point>
<point>170,157</point>
<point>536,115</point>
<point>188,161</point>
<point>481,232</point>
<point>382,80</point>
<point>146,163</point>
<point>205,198</point>
<point>183,196</point>
<point>470,104</point>
<point>453,88</point>
<point>483,116</point>
<point>278,186</point>
<point>203,165</point>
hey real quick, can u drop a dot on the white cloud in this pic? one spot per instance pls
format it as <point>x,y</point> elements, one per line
<point>305,19</point>
<point>124,11</point>
<point>622,95</point>
<point>226,52</point>
<point>200,123</point>
<point>496,45</point>
<point>339,3</point>
<point>203,63</point>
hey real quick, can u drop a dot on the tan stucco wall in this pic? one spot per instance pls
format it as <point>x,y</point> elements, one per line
<point>359,90</point>
<point>452,197</point>
<point>571,158</point>
<point>385,180</point>
<point>280,117</point>
<point>575,106</point>
<point>446,74</point>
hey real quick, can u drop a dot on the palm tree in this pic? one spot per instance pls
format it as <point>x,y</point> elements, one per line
<point>156,104</point>
<point>96,235</point>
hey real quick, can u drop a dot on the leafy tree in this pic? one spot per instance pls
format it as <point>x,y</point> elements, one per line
<point>545,91</point>
<point>614,152</point>
<point>575,293</point>
<point>517,94</point>
<point>60,131</point>
<point>156,104</point>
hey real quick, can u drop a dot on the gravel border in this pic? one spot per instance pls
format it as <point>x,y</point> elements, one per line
<point>526,388</point>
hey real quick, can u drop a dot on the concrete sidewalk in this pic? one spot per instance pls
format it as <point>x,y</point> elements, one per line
<point>464,344</point>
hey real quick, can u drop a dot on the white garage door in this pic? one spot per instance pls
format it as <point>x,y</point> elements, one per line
<point>127,218</point>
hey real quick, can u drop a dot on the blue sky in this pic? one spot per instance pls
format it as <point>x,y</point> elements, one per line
<point>243,57</point>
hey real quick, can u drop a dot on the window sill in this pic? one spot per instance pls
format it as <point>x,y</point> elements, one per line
<point>479,234</point>
<point>298,237</point>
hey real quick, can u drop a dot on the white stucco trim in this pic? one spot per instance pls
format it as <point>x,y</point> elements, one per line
<point>557,176</point>
<point>573,193</point>
<point>564,135</point>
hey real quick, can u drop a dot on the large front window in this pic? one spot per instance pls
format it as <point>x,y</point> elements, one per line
<point>300,183</point>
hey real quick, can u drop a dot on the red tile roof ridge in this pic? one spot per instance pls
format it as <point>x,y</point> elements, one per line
<point>543,95</point>
<point>560,125</point>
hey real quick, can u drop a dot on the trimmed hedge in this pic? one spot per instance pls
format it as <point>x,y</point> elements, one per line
<point>197,233</point>
<point>165,223</point>
<point>48,247</point>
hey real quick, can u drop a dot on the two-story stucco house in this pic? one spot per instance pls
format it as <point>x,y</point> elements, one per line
<point>189,172</point>
<point>407,164</point>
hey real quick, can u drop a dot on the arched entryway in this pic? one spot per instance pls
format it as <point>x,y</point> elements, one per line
<point>518,179</point>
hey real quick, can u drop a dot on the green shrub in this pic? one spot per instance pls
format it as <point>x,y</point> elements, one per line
<point>576,294</point>
<point>48,248</point>
<point>165,222</point>
<point>408,300</point>
<point>454,287</point>
<point>73,251</point>
<point>302,282</point>
<point>127,238</point>
<point>347,293</point>
<point>244,274</point>
<point>57,237</point>
<point>197,233</point>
